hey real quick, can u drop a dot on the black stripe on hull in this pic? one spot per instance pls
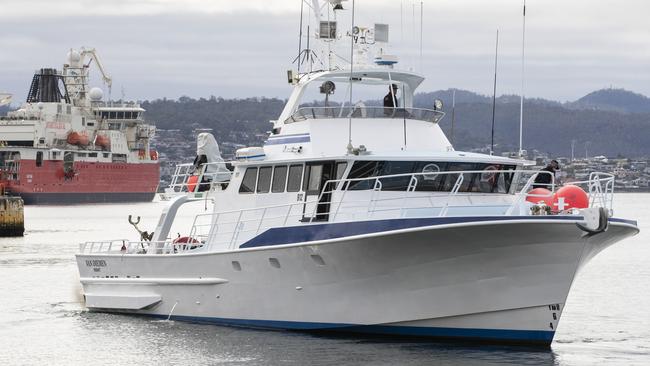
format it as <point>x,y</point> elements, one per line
<point>77,198</point>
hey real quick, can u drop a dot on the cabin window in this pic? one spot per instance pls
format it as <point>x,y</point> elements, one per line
<point>313,175</point>
<point>264,179</point>
<point>484,180</point>
<point>279,178</point>
<point>360,170</point>
<point>430,180</point>
<point>395,168</point>
<point>248,183</point>
<point>340,169</point>
<point>39,158</point>
<point>295,176</point>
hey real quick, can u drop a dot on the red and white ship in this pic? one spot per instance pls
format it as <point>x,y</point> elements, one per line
<point>66,145</point>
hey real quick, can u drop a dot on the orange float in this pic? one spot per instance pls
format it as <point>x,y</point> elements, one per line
<point>75,138</point>
<point>572,197</point>
<point>103,141</point>
<point>191,182</point>
<point>538,195</point>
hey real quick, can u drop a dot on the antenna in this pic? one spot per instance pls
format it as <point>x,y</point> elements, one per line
<point>351,73</point>
<point>401,20</point>
<point>521,103</point>
<point>494,92</point>
<point>421,26</point>
<point>453,114</point>
<point>573,146</point>
<point>302,6</point>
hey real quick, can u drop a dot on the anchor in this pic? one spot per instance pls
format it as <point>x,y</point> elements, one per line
<point>144,235</point>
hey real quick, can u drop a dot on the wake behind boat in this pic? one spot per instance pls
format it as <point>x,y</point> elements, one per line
<point>364,219</point>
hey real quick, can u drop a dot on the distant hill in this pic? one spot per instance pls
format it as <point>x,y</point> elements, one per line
<point>619,100</point>
<point>606,125</point>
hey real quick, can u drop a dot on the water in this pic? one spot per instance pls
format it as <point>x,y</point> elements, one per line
<point>606,318</point>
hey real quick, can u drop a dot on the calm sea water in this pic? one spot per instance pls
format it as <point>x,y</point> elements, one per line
<point>43,321</point>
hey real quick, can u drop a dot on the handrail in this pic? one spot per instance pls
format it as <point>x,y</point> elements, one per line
<point>365,112</point>
<point>209,174</point>
<point>228,229</point>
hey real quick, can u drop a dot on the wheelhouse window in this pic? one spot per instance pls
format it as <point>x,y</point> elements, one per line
<point>279,178</point>
<point>248,182</point>
<point>485,179</point>
<point>264,179</point>
<point>295,178</point>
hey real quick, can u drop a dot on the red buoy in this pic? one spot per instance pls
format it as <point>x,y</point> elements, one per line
<point>191,182</point>
<point>538,195</point>
<point>570,196</point>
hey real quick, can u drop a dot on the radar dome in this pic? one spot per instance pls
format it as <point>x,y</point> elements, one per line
<point>96,94</point>
<point>73,57</point>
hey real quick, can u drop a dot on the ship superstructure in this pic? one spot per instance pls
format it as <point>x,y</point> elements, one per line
<point>65,144</point>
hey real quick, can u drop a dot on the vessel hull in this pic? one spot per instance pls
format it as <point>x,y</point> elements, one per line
<point>92,182</point>
<point>504,281</point>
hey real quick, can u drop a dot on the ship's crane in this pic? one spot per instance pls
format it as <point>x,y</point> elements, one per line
<point>92,54</point>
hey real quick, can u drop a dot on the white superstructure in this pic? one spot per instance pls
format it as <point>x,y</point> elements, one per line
<point>363,218</point>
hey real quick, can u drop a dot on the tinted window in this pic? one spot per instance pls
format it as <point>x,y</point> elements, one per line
<point>279,178</point>
<point>362,169</point>
<point>394,168</point>
<point>295,178</point>
<point>264,180</point>
<point>429,180</point>
<point>248,183</point>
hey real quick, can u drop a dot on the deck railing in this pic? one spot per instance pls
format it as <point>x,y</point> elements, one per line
<point>361,111</point>
<point>226,230</point>
<point>207,176</point>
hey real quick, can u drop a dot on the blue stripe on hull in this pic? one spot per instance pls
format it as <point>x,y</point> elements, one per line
<point>299,234</point>
<point>307,233</point>
<point>538,337</point>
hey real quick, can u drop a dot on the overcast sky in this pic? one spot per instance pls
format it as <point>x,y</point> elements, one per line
<point>241,48</point>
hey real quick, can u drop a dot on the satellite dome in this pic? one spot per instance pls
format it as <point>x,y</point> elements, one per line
<point>73,56</point>
<point>96,94</point>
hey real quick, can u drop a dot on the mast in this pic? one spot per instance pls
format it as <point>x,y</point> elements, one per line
<point>453,114</point>
<point>349,147</point>
<point>494,92</point>
<point>521,103</point>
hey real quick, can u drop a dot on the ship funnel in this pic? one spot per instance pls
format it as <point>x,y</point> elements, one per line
<point>45,88</point>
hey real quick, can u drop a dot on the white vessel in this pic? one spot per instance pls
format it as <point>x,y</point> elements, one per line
<point>363,219</point>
